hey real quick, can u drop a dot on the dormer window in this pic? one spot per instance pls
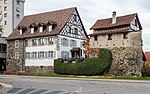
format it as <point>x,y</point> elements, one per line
<point>50,28</point>
<point>41,29</point>
<point>32,30</point>
<point>22,29</point>
<point>51,25</point>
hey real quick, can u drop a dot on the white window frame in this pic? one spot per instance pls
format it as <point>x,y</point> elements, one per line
<point>41,54</point>
<point>73,43</point>
<point>64,42</point>
<point>16,55</point>
<point>34,55</point>
<point>28,55</point>
<point>32,30</point>
<point>64,54</point>
<point>26,43</point>
<point>50,28</point>
<point>41,28</point>
<point>41,41</point>
<point>16,43</point>
<point>50,40</point>
<point>34,42</point>
<point>51,54</point>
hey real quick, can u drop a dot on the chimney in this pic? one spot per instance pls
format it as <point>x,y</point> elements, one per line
<point>114,17</point>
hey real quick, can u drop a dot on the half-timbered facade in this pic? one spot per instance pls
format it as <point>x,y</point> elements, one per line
<point>41,38</point>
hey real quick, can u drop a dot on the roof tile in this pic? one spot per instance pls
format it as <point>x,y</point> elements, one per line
<point>59,16</point>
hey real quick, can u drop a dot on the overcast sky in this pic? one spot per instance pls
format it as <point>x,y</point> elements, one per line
<point>91,10</point>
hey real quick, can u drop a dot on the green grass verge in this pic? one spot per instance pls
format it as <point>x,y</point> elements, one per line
<point>92,77</point>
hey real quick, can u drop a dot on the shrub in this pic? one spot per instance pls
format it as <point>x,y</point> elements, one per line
<point>105,58</point>
<point>146,71</point>
<point>90,66</point>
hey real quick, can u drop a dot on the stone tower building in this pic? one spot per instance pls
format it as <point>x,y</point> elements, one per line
<point>123,36</point>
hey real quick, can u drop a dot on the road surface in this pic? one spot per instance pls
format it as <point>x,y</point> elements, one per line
<point>46,85</point>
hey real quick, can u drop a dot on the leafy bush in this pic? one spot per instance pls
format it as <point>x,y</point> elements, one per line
<point>105,58</point>
<point>90,66</point>
<point>146,71</point>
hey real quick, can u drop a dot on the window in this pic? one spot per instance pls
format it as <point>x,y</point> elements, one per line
<point>18,16</point>
<point>5,1</point>
<point>3,47</point>
<point>64,54</point>
<point>69,28</point>
<point>41,41</point>
<point>73,43</point>
<point>17,44</point>
<point>27,43</point>
<point>64,42</point>
<point>95,38</point>
<point>41,54</point>
<point>50,40</point>
<point>32,30</point>
<point>125,36</point>
<point>27,55</point>
<point>18,2</point>
<point>5,15</point>
<point>16,55</point>
<point>5,8</point>
<point>50,28</point>
<point>41,29</point>
<point>75,17</point>
<point>5,22</point>
<point>34,42</point>
<point>76,31</point>
<point>51,54</point>
<point>34,55</point>
<point>81,44</point>
<point>18,9</point>
<point>110,37</point>
<point>45,54</point>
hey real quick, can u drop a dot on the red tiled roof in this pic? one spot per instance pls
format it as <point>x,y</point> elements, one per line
<point>59,16</point>
<point>103,33</point>
<point>120,21</point>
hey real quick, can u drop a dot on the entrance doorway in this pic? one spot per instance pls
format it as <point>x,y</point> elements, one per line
<point>76,52</point>
<point>2,64</point>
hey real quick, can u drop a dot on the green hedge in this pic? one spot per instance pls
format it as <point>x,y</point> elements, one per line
<point>90,66</point>
<point>146,71</point>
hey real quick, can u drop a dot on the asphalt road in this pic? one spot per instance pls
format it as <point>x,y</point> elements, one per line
<point>44,85</point>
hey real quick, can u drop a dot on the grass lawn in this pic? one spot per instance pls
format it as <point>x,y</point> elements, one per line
<point>92,77</point>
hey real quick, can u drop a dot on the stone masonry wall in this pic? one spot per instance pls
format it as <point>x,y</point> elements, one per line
<point>127,61</point>
<point>12,63</point>
<point>39,69</point>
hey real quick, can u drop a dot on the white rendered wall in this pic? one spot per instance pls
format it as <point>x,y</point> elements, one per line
<point>68,48</point>
<point>39,61</point>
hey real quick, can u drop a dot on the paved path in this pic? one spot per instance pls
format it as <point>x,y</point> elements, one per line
<point>46,85</point>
